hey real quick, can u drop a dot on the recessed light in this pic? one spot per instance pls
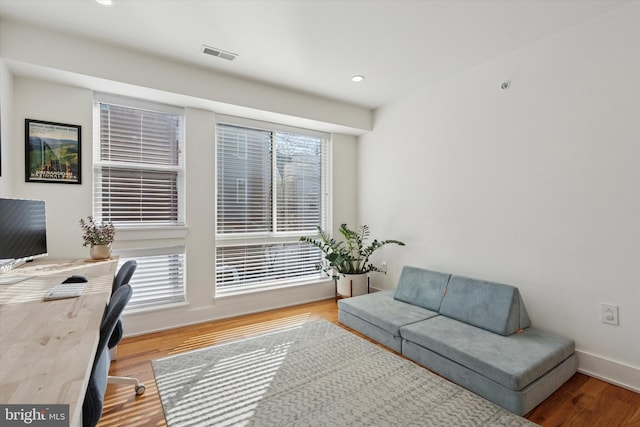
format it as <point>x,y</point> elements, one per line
<point>105,2</point>
<point>357,78</point>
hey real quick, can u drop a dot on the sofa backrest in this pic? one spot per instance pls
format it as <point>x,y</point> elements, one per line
<point>488,305</point>
<point>421,287</point>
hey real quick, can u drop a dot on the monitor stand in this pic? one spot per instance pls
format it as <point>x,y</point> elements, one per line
<point>9,264</point>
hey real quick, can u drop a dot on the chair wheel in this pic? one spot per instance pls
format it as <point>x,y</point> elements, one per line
<point>140,389</point>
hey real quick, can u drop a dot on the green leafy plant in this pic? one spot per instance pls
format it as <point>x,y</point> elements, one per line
<point>350,256</point>
<point>97,234</point>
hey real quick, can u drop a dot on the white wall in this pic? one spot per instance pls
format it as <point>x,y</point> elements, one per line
<point>6,135</point>
<point>344,183</point>
<point>65,203</point>
<point>537,186</point>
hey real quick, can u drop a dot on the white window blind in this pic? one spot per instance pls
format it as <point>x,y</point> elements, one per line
<point>159,277</point>
<point>272,187</point>
<point>244,180</point>
<point>138,182</point>
<point>138,167</point>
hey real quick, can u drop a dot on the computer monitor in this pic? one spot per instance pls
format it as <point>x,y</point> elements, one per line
<point>23,231</point>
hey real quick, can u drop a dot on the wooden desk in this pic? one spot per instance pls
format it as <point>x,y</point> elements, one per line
<point>47,348</point>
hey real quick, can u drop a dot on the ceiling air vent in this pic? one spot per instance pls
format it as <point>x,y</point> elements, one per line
<point>219,53</point>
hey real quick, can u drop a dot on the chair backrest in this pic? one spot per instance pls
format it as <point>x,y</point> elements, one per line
<point>122,277</point>
<point>94,398</point>
<point>124,274</point>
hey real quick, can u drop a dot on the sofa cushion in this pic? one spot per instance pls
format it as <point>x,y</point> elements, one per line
<point>492,306</point>
<point>514,361</point>
<point>383,311</point>
<point>421,287</point>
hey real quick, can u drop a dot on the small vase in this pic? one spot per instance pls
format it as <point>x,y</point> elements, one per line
<point>100,251</point>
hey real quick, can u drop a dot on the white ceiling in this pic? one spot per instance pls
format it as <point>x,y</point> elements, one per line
<point>316,46</point>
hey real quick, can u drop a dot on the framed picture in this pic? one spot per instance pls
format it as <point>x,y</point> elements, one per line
<point>52,152</point>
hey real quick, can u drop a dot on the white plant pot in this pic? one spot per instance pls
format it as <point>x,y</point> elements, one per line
<point>100,251</point>
<point>359,283</point>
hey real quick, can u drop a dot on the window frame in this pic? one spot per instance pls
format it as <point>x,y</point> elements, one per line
<point>273,237</point>
<point>151,232</point>
<point>139,255</point>
<point>179,169</point>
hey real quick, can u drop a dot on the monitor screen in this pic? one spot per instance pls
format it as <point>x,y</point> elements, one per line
<point>23,229</point>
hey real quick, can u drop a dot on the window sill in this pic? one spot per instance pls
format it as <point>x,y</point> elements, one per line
<point>240,292</point>
<point>152,233</point>
<point>144,310</point>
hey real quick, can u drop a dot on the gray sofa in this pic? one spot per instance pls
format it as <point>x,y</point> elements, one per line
<point>475,333</point>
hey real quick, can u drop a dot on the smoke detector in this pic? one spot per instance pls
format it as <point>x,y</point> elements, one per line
<point>213,51</point>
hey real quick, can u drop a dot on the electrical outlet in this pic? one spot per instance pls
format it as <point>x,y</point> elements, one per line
<point>609,313</point>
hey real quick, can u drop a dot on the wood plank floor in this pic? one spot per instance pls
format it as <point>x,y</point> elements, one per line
<point>582,401</point>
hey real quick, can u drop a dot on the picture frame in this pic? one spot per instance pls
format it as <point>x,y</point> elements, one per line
<point>52,152</point>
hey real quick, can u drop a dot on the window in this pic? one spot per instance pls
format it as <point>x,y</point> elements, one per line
<point>159,277</point>
<point>272,188</point>
<point>138,171</point>
<point>138,183</point>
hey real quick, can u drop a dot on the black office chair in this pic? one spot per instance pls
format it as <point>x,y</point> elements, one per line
<point>122,277</point>
<point>94,397</point>
<point>124,274</point>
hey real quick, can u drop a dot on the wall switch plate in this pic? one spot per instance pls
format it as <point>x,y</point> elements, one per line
<point>609,313</point>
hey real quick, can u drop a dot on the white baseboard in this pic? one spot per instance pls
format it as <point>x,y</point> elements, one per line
<point>613,372</point>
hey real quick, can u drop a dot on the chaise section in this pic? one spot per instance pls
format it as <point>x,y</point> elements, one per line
<point>379,316</point>
<point>519,402</point>
<point>514,361</point>
<point>483,341</point>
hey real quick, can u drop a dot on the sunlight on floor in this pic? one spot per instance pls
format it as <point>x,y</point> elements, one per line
<point>230,390</point>
<point>123,407</point>
<point>211,338</point>
<point>137,410</point>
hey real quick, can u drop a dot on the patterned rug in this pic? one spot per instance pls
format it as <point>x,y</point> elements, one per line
<point>316,374</point>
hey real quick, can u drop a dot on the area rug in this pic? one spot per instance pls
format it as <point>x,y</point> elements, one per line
<point>315,374</point>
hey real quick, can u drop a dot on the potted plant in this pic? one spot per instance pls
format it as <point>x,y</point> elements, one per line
<point>347,261</point>
<point>98,236</point>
